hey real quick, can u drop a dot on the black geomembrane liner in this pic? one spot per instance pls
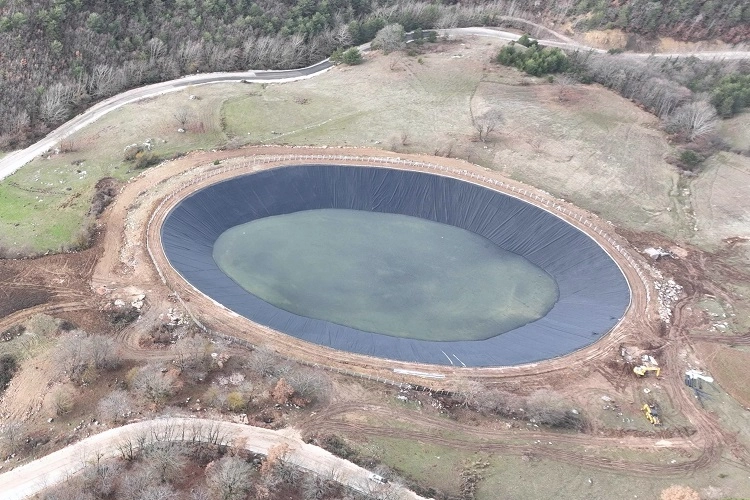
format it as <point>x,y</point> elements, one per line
<point>594,294</point>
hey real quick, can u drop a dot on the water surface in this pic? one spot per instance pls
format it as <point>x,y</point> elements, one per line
<point>386,273</point>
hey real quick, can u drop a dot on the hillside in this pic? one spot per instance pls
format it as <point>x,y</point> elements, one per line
<point>689,20</point>
<point>60,55</point>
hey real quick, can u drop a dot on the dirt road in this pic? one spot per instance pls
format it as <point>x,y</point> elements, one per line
<point>54,468</point>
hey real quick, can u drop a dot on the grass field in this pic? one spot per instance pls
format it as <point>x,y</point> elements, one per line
<point>582,143</point>
<point>44,203</point>
<point>530,477</point>
<point>736,131</point>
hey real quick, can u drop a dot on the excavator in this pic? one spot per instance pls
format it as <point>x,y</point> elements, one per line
<point>652,415</point>
<point>641,370</point>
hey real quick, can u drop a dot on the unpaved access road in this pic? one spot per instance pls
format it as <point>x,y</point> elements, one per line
<point>16,159</point>
<point>33,477</point>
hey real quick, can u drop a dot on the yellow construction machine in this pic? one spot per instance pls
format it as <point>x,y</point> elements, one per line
<point>641,370</point>
<point>651,414</point>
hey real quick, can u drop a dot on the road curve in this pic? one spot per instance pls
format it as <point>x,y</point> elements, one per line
<point>54,468</point>
<point>15,160</point>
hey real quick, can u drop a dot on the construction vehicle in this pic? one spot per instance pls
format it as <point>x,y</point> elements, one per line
<point>652,415</point>
<point>641,370</point>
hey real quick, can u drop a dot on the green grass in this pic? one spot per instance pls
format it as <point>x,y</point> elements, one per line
<point>736,130</point>
<point>530,476</point>
<point>433,466</point>
<point>45,202</point>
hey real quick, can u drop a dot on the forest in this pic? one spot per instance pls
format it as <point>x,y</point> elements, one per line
<point>60,56</point>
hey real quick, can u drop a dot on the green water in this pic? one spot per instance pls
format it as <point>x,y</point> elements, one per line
<point>391,274</point>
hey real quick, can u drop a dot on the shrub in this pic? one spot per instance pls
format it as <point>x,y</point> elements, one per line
<point>350,57</point>
<point>389,39</point>
<point>526,41</point>
<point>731,95</point>
<point>236,401</point>
<point>121,318</point>
<point>152,384</point>
<point>339,447</point>
<point>546,408</point>
<point>103,196</point>
<point>692,121</point>
<point>8,367</point>
<point>690,160</point>
<point>146,159</point>
<point>533,59</point>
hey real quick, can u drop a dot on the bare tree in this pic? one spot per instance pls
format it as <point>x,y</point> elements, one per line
<point>54,106</point>
<point>182,115</point>
<point>71,355</point>
<point>62,401</point>
<point>200,494</point>
<point>293,50</point>
<point>156,49</point>
<point>190,56</point>
<point>470,393</point>
<point>315,487</point>
<point>104,81</point>
<point>276,471</point>
<point>310,385</point>
<point>150,383</point>
<point>564,84</point>
<point>389,39</point>
<point>71,489</point>
<point>158,492</point>
<point>190,352</point>
<point>342,37</point>
<point>100,476</point>
<point>166,460</point>
<point>103,351</point>
<point>12,434</point>
<point>264,362</point>
<point>693,120</point>
<point>78,353</point>
<point>18,123</point>
<point>115,406</point>
<point>499,402</point>
<point>547,408</point>
<point>137,480</point>
<point>486,122</point>
<point>230,478</point>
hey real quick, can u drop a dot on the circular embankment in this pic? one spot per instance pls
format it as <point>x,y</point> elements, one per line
<point>593,292</point>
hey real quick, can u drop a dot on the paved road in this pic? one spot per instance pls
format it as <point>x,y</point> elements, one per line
<point>17,159</point>
<point>56,467</point>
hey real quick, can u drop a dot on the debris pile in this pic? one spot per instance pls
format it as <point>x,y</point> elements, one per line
<point>657,253</point>
<point>668,292</point>
<point>175,316</point>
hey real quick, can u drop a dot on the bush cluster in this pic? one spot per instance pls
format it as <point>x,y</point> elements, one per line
<point>8,366</point>
<point>731,95</point>
<point>531,58</point>
<point>349,57</point>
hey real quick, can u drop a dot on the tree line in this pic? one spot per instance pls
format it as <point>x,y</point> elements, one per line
<point>59,56</point>
<point>727,20</point>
